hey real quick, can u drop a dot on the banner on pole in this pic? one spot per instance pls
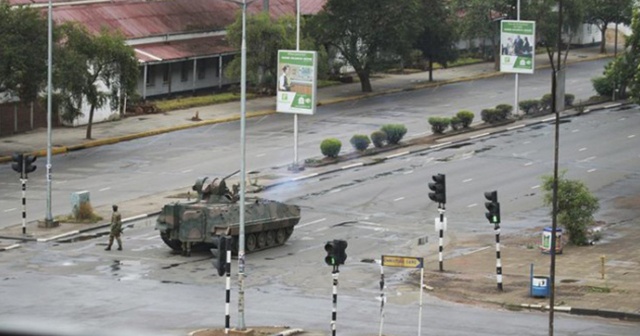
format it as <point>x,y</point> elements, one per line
<point>517,46</point>
<point>297,81</point>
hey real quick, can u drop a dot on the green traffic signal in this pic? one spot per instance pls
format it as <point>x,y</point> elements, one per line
<point>493,207</point>
<point>336,252</point>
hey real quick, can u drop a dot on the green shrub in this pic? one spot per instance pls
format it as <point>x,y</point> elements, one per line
<point>568,99</point>
<point>603,86</point>
<point>466,118</point>
<point>395,132</point>
<point>529,106</point>
<point>455,123</point>
<point>378,138</point>
<point>439,124</point>
<point>330,147</point>
<point>504,111</point>
<point>545,102</point>
<point>360,142</point>
<point>490,115</point>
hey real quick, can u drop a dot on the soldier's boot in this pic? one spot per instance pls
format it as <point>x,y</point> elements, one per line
<point>108,248</point>
<point>119,248</point>
<point>119,244</point>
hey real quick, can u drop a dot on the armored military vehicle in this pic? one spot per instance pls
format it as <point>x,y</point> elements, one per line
<point>197,224</point>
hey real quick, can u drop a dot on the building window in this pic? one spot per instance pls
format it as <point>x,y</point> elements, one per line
<point>202,69</point>
<point>151,75</point>
<point>184,71</point>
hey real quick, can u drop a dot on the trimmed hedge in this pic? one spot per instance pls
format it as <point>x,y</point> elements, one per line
<point>455,123</point>
<point>330,147</point>
<point>378,138</point>
<point>530,106</point>
<point>439,124</point>
<point>360,142</point>
<point>466,118</point>
<point>395,132</point>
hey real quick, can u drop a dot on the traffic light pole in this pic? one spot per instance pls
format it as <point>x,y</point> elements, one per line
<point>334,311</point>
<point>227,267</point>
<point>24,205</point>
<point>441,210</point>
<point>498,261</point>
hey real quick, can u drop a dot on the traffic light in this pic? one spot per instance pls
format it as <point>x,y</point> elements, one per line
<point>17,162</point>
<point>29,167</point>
<point>336,252</point>
<point>220,253</point>
<point>493,207</point>
<point>439,193</point>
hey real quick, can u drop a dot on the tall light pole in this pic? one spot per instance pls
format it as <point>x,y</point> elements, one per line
<point>49,217</point>
<point>554,211</point>
<point>295,167</point>
<point>243,173</point>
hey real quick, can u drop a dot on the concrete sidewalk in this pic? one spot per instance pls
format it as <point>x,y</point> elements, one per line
<point>73,138</point>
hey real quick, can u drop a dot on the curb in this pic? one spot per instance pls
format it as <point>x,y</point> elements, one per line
<point>75,232</point>
<point>587,312</point>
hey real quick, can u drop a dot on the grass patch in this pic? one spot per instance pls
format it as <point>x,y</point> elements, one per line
<point>188,102</point>
<point>462,61</point>
<point>326,83</point>
<point>596,289</point>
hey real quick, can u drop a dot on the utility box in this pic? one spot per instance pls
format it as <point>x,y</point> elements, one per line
<point>77,199</point>
<point>540,286</point>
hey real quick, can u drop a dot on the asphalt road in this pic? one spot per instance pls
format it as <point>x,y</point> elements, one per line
<point>128,170</point>
<point>379,209</point>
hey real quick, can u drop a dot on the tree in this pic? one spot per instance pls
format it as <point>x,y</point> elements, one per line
<point>545,13</point>
<point>480,19</point>
<point>23,51</point>
<point>576,206</point>
<point>86,64</point>
<point>368,34</point>
<point>437,39</point>
<point>625,68</point>
<point>603,12</point>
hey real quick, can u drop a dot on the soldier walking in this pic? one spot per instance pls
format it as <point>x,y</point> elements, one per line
<point>116,229</point>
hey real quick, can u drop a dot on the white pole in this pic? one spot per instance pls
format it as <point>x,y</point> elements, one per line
<point>420,311</point>
<point>243,101</point>
<point>49,216</point>
<point>382,299</point>
<point>516,107</point>
<point>294,167</point>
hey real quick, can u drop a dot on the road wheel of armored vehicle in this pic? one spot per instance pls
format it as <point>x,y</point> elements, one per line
<point>251,242</point>
<point>288,231</point>
<point>281,236</point>
<point>172,243</point>
<point>262,240</point>
<point>271,238</point>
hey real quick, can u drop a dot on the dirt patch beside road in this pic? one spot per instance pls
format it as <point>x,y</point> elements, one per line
<point>471,277</point>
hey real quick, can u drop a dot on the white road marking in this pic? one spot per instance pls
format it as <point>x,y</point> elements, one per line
<point>398,199</point>
<point>526,142</point>
<point>587,159</point>
<point>105,189</point>
<point>479,135</point>
<point>335,190</point>
<point>472,205</point>
<point>591,170</point>
<point>575,131</point>
<point>467,180</point>
<point>261,155</point>
<point>187,171</point>
<point>631,136</point>
<point>528,164</point>
<point>12,209</point>
<point>409,172</point>
<point>582,149</point>
<point>535,186</point>
<point>312,222</point>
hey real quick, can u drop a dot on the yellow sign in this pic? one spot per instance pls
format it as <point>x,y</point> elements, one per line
<point>406,262</point>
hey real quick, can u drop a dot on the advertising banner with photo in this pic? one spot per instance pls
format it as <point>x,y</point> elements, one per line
<point>517,46</point>
<point>297,81</point>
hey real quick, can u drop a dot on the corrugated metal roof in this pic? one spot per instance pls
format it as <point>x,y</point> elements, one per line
<point>137,19</point>
<point>175,50</point>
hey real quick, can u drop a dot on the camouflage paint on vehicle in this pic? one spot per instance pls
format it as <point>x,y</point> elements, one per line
<point>217,212</point>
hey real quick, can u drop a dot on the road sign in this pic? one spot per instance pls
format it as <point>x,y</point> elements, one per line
<point>406,262</point>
